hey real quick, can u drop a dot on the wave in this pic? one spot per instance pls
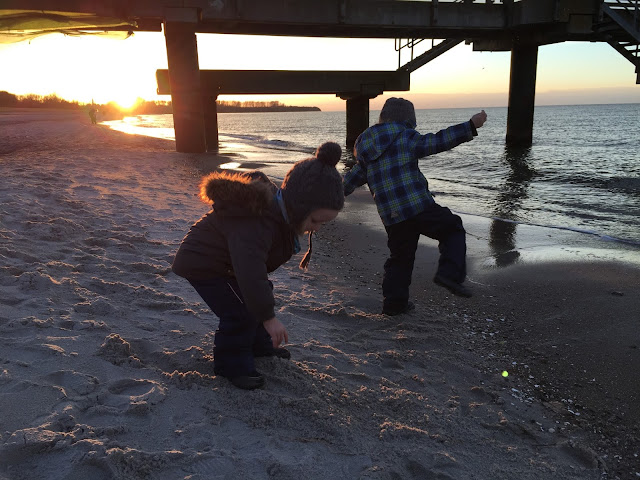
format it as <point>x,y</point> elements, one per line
<point>625,184</point>
<point>273,144</point>
<point>601,236</point>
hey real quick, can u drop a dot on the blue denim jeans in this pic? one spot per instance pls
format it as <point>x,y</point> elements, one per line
<point>239,336</point>
<point>436,222</point>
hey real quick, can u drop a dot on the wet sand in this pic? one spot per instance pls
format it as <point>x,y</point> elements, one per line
<point>558,310</point>
<point>105,357</point>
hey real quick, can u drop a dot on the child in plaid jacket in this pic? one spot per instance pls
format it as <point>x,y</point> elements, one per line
<point>387,160</point>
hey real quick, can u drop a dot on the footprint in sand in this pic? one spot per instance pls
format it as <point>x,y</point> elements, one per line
<point>129,395</point>
<point>73,383</point>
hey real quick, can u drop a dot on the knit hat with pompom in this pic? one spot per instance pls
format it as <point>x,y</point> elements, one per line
<point>314,183</point>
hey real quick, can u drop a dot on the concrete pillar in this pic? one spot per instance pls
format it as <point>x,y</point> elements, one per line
<point>357,117</point>
<point>522,92</point>
<point>184,77</point>
<point>210,122</point>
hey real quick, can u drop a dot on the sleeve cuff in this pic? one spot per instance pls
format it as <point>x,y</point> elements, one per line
<point>474,131</point>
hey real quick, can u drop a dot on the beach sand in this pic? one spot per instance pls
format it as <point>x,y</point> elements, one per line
<point>105,355</point>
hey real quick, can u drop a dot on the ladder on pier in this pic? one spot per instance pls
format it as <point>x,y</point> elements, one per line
<point>619,26</point>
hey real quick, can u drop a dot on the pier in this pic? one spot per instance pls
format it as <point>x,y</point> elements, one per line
<point>488,25</point>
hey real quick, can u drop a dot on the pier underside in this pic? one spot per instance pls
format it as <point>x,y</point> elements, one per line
<point>489,25</point>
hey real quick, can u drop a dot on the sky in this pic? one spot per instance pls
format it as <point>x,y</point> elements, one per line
<point>106,69</point>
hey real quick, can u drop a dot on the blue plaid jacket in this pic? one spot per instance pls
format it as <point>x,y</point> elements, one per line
<point>387,159</point>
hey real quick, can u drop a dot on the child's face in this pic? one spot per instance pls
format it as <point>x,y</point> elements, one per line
<point>316,219</point>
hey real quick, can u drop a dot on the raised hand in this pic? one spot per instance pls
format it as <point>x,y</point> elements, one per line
<point>479,118</point>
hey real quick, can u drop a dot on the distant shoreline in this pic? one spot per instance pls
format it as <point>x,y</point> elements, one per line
<point>281,108</point>
<point>141,107</point>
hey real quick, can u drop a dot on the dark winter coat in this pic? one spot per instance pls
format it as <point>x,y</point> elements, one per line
<point>244,236</point>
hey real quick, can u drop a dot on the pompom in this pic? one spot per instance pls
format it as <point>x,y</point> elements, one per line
<point>329,153</point>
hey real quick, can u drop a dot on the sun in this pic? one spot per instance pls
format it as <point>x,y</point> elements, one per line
<point>126,100</point>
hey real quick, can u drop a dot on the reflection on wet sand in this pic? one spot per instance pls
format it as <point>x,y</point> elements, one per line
<point>502,232</point>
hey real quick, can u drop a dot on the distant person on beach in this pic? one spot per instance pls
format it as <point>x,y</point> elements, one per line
<point>92,115</point>
<point>252,229</point>
<point>387,160</point>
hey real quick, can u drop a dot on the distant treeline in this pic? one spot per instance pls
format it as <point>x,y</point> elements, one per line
<point>141,107</point>
<point>229,107</point>
<point>106,111</point>
<point>32,101</point>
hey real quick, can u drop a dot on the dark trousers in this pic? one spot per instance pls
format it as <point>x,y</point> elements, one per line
<point>239,336</point>
<point>436,222</point>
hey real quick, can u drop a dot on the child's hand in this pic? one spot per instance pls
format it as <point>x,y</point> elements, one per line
<point>479,118</point>
<point>276,329</point>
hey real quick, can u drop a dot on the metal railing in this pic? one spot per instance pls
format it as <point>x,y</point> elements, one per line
<point>436,48</point>
<point>625,37</point>
<point>631,7</point>
<point>410,43</point>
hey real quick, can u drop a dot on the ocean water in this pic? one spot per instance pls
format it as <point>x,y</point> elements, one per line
<point>582,172</point>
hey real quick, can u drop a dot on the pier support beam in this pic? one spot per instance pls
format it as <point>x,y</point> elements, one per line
<point>184,76</point>
<point>522,92</point>
<point>356,87</point>
<point>210,122</point>
<point>357,116</point>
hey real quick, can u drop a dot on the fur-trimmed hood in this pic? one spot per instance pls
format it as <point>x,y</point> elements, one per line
<point>246,193</point>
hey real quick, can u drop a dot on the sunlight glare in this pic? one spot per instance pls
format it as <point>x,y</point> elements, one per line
<point>126,100</point>
<point>230,165</point>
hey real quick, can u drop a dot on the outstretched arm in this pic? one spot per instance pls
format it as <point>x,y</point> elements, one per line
<point>446,139</point>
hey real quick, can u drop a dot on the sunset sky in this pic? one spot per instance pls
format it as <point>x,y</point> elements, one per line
<point>104,69</point>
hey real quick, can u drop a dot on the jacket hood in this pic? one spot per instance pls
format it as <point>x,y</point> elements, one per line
<point>247,193</point>
<point>373,142</point>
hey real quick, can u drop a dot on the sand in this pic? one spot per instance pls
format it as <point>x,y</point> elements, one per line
<point>105,355</point>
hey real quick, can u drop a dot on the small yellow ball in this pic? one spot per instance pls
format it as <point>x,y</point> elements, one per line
<point>505,374</point>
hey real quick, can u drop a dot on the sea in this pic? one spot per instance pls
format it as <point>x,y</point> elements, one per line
<point>581,174</point>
